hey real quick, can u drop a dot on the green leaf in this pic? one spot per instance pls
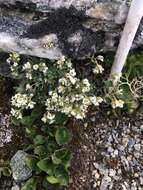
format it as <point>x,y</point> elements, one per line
<point>27,121</point>
<point>31,184</point>
<point>66,160</point>
<point>40,150</point>
<point>31,132</point>
<point>60,118</point>
<point>39,139</point>
<point>62,136</point>
<point>62,175</point>
<point>52,180</point>
<point>47,186</point>
<point>49,131</point>
<point>62,156</point>
<point>6,171</point>
<point>15,121</point>
<point>46,166</point>
<point>52,146</point>
<point>31,162</point>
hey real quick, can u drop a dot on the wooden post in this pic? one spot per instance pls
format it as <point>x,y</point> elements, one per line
<point>133,20</point>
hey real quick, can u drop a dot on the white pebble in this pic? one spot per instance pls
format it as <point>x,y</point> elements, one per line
<point>112,172</point>
<point>116,152</point>
<point>137,147</point>
<point>97,175</point>
<point>141,180</point>
<point>110,150</point>
<point>94,185</point>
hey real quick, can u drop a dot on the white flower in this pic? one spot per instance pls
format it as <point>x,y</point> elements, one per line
<point>93,100</point>
<point>8,60</point>
<point>27,66</point>
<point>28,87</point>
<point>22,101</point>
<point>19,100</point>
<point>54,97</point>
<point>47,102</point>
<point>61,62</point>
<point>72,72</point>
<point>100,58</point>
<point>69,63</point>
<point>78,97</point>
<point>72,80</point>
<point>62,58</point>
<point>35,67</point>
<point>61,89</point>
<point>99,99</point>
<point>31,95</point>
<point>96,100</point>
<point>16,113</point>
<point>43,65</point>
<point>117,103</point>
<point>67,109</point>
<point>43,68</point>
<point>86,89</point>
<point>80,115</point>
<point>86,82</point>
<point>86,101</point>
<point>98,69</point>
<point>31,105</point>
<point>63,81</point>
<point>50,93</point>
<point>44,119</point>
<point>15,64</point>
<point>115,77</point>
<point>29,76</point>
<point>48,117</point>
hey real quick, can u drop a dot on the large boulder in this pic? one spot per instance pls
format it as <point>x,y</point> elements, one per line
<point>52,28</point>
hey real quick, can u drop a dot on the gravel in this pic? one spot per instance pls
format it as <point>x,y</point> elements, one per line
<point>5,129</point>
<point>108,153</point>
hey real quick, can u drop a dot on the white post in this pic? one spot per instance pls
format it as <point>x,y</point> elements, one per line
<point>133,20</point>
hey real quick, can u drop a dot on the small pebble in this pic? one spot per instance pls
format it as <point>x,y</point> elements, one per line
<point>137,147</point>
<point>112,173</point>
<point>141,180</point>
<point>97,175</point>
<point>116,152</point>
<point>110,150</point>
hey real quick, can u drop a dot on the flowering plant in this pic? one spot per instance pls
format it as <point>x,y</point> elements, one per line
<point>54,86</point>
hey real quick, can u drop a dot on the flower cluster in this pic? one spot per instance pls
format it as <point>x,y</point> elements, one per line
<point>97,69</point>
<point>117,103</point>
<point>29,68</point>
<point>71,98</point>
<point>56,87</point>
<point>14,58</point>
<point>114,92</point>
<point>20,102</point>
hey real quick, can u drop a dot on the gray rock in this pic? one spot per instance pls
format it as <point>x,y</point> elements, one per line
<point>19,169</point>
<point>73,28</point>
